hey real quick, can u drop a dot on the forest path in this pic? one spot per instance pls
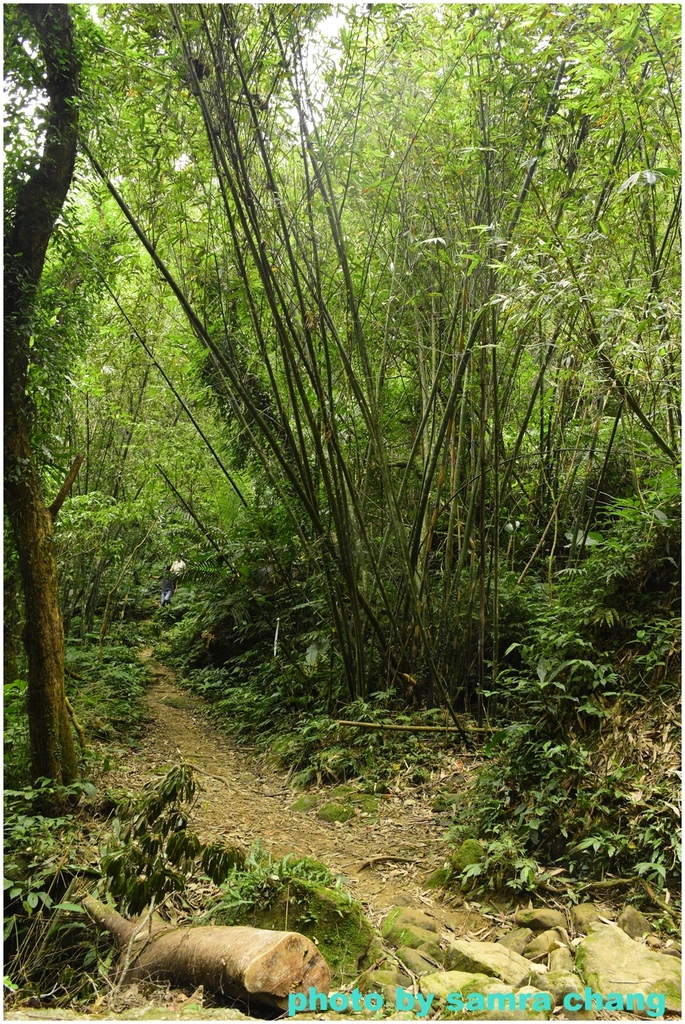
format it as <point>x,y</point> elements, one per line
<point>245,799</point>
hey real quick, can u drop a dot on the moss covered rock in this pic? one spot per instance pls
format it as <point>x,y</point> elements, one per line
<point>633,922</point>
<point>384,981</point>
<point>341,794</point>
<point>415,961</point>
<point>559,984</point>
<point>488,958</point>
<point>610,961</point>
<point>442,983</point>
<point>439,878</point>
<point>365,802</point>
<point>306,802</point>
<point>432,950</point>
<point>584,916</point>
<point>517,939</point>
<point>540,919</point>
<point>470,852</point>
<point>335,812</point>
<point>406,927</point>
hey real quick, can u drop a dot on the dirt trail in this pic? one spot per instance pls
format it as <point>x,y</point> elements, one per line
<point>245,799</point>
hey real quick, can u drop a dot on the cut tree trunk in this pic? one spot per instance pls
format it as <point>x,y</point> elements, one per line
<point>251,964</point>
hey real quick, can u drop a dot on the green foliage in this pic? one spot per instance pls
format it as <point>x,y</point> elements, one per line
<point>434,348</point>
<point>299,894</point>
<point>15,733</point>
<point>107,685</point>
<point>504,865</point>
<point>567,784</point>
<point>153,853</point>
<point>256,884</point>
<point>48,943</point>
<point>35,844</point>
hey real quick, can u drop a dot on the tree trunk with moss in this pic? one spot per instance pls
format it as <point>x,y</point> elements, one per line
<point>39,201</point>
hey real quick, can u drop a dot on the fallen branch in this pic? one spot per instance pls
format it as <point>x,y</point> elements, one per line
<point>610,883</point>
<point>657,899</point>
<point>243,963</point>
<point>376,860</point>
<point>414,728</point>
<point>143,921</point>
<point>564,888</point>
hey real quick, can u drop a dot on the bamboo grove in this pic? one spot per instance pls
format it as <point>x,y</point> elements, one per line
<point>430,257</point>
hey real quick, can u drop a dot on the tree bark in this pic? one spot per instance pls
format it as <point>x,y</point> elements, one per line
<point>252,964</point>
<point>38,203</point>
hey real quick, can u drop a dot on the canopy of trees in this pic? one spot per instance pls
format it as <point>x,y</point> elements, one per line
<point>371,314</point>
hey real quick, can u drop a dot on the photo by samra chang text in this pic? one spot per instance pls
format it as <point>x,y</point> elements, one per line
<point>652,1004</point>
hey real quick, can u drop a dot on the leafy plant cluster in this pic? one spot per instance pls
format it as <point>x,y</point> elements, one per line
<point>106,683</point>
<point>567,786</point>
<point>152,853</point>
<point>50,949</point>
<point>256,884</point>
<point>298,894</point>
<point>285,704</point>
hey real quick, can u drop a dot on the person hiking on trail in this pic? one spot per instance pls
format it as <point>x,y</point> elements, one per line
<point>169,585</point>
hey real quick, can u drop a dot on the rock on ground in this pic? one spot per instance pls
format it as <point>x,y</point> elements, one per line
<point>540,919</point>
<point>560,959</point>
<point>517,939</point>
<point>583,916</point>
<point>406,927</point>
<point>633,922</point>
<point>470,852</point>
<point>489,958</point>
<point>415,961</point>
<point>443,982</point>
<point>385,982</point>
<point>610,961</point>
<point>545,942</point>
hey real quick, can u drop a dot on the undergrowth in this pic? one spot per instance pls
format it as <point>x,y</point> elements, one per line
<point>106,683</point>
<point>50,949</point>
<point>52,953</point>
<point>585,776</point>
<point>255,884</point>
<point>581,772</point>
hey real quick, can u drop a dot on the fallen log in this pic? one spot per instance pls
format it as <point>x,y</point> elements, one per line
<point>251,964</point>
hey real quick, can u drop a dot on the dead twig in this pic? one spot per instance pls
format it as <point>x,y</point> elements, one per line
<point>610,883</point>
<point>219,778</point>
<point>145,921</point>
<point>376,860</point>
<point>414,728</point>
<point>656,899</point>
